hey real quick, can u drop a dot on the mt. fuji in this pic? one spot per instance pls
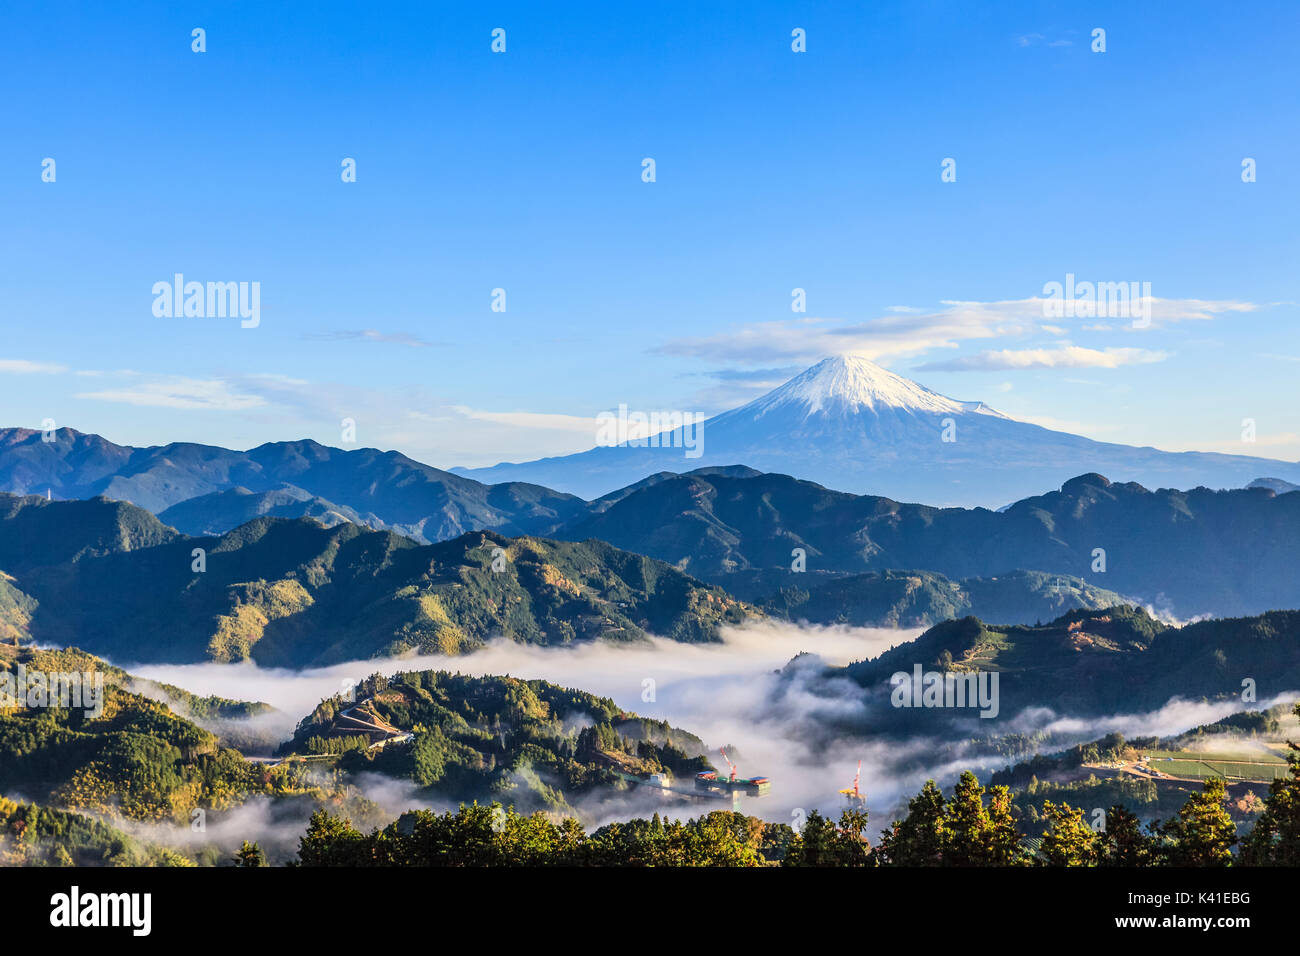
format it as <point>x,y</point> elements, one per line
<point>851,425</point>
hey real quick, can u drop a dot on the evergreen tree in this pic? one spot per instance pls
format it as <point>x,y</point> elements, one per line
<point>975,835</point>
<point>1069,840</point>
<point>917,840</point>
<point>822,843</point>
<point>1124,843</point>
<point>250,854</point>
<point>1275,839</point>
<point>1202,834</point>
<point>1005,848</point>
<point>331,841</point>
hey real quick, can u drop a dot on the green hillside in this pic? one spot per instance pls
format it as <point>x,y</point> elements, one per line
<point>38,533</point>
<point>16,610</point>
<point>1116,660</point>
<point>920,598</point>
<point>136,759</point>
<point>1202,551</point>
<point>295,593</point>
<point>527,743</point>
<point>32,835</point>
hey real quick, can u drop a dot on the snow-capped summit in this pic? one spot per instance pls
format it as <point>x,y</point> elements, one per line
<point>851,425</point>
<point>849,384</point>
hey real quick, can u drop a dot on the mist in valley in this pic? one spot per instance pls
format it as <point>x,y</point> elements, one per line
<point>780,717</point>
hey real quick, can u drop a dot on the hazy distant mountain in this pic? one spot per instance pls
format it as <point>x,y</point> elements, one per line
<point>1188,552</point>
<point>220,511</point>
<point>850,425</point>
<point>409,497</point>
<point>1192,552</point>
<point>1276,485</point>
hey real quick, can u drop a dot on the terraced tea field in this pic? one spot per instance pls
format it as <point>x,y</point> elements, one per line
<point>1201,766</point>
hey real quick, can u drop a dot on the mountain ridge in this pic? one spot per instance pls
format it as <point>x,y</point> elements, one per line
<point>295,592</point>
<point>292,592</point>
<point>1187,553</point>
<point>410,497</point>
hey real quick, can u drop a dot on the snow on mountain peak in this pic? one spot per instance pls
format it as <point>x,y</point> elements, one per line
<point>851,383</point>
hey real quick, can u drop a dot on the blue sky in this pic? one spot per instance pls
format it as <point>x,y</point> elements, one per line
<point>522,171</point>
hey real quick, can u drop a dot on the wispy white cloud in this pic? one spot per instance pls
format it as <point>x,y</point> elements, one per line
<point>375,335</point>
<point>25,367</point>
<point>540,420</point>
<point>412,418</point>
<point>273,379</point>
<point>1035,39</point>
<point>585,429</point>
<point>1068,356</point>
<point>1169,311</point>
<point>190,393</point>
<point>732,387</point>
<point>811,339</point>
<point>900,335</point>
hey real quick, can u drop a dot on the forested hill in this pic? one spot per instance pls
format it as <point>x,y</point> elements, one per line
<point>1114,661</point>
<point>906,598</point>
<point>108,576</point>
<point>39,533</point>
<point>295,593</point>
<point>526,743</point>
<point>1193,552</point>
<point>125,754</point>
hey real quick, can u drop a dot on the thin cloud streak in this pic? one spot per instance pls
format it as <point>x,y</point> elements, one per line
<point>1068,356</point>
<point>899,335</point>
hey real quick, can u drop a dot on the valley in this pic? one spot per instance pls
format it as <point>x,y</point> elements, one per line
<point>720,637</point>
<point>538,441</point>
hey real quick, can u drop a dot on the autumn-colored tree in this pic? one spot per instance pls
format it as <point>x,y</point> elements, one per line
<point>976,835</point>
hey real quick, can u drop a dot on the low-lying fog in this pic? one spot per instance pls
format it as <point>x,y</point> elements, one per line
<point>728,694</point>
